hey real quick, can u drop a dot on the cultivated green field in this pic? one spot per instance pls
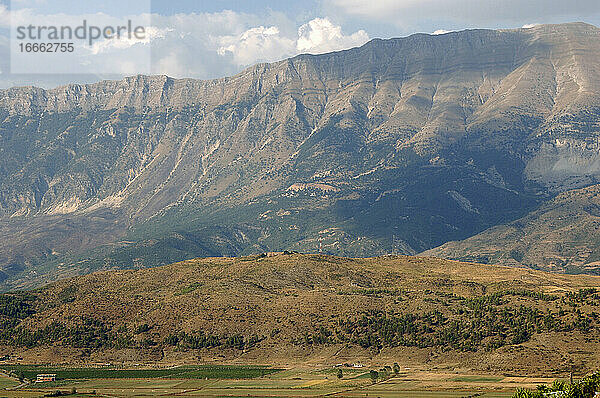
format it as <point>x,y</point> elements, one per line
<point>7,382</point>
<point>178,372</point>
<point>257,381</point>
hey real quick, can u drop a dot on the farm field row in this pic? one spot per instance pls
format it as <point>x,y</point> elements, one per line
<point>264,382</point>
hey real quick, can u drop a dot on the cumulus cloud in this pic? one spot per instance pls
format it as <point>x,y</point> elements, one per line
<point>211,45</point>
<point>321,36</point>
<point>260,44</point>
<point>197,45</point>
<point>191,45</point>
<point>124,42</point>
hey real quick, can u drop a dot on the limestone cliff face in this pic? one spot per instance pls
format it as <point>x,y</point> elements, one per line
<point>428,138</point>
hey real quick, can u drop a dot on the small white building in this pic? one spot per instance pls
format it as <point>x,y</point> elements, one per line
<point>41,378</point>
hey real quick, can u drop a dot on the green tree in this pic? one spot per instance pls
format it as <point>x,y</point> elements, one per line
<point>143,328</point>
<point>525,393</point>
<point>374,375</point>
<point>396,368</point>
<point>340,374</point>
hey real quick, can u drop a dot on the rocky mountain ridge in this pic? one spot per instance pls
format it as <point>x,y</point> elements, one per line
<point>419,140</point>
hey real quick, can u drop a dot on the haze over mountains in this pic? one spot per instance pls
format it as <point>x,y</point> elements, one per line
<point>400,145</point>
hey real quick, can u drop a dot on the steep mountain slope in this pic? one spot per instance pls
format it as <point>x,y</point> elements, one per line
<point>399,145</point>
<point>291,308</point>
<point>562,235</point>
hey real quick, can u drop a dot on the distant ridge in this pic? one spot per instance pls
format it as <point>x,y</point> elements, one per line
<point>424,140</point>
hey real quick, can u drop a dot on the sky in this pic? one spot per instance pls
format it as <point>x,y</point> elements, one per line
<point>211,39</point>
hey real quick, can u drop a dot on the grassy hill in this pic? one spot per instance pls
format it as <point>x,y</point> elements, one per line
<point>292,308</point>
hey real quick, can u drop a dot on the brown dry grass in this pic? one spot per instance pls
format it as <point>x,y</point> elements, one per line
<point>283,296</point>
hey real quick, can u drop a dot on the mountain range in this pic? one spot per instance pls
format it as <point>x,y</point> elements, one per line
<point>484,141</point>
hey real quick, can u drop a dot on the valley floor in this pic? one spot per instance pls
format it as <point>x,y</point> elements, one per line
<point>298,382</point>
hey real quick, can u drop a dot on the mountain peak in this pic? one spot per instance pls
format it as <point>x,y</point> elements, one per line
<point>398,145</point>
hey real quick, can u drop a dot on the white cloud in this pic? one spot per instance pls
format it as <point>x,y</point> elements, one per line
<point>530,25</point>
<point>257,45</point>
<point>180,45</point>
<point>209,45</point>
<point>441,32</point>
<point>260,44</point>
<point>151,33</point>
<point>320,36</point>
<point>196,45</point>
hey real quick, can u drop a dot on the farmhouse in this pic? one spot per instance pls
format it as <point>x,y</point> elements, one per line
<point>45,377</point>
